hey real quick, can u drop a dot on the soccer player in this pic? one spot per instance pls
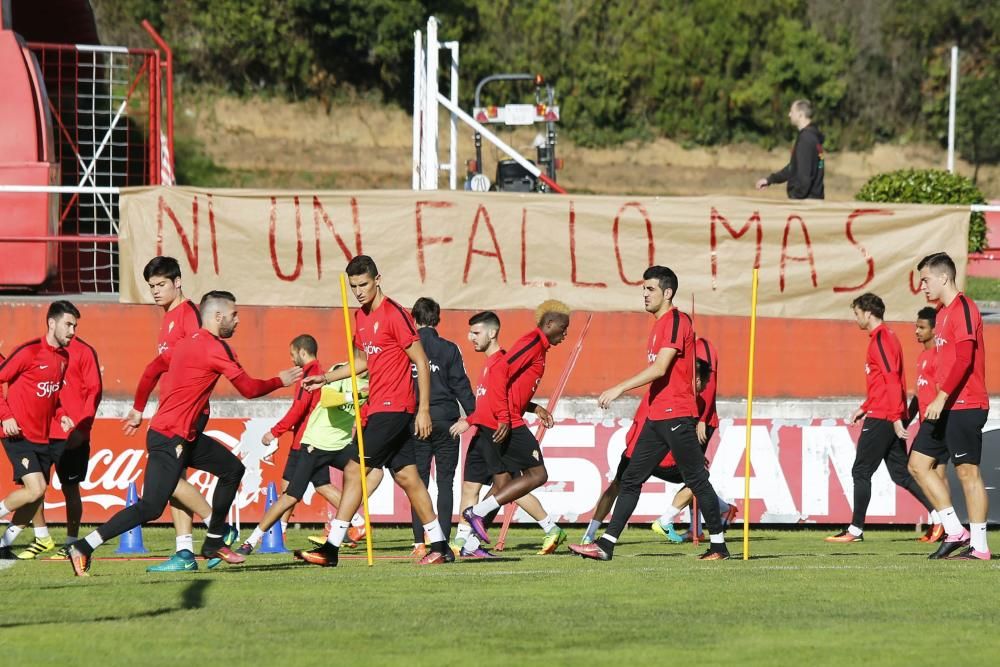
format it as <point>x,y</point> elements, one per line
<point>482,460</point>
<point>385,332</point>
<point>883,436</point>
<point>325,439</point>
<point>80,396</point>
<point>449,388</point>
<point>174,441</point>
<point>672,421</point>
<point>180,320</point>
<point>522,371</point>
<point>925,392</point>
<point>34,374</point>
<point>954,419</point>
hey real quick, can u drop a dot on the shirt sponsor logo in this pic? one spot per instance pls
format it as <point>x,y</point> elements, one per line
<point>371,349</point>
<point>161,348</point>
<point>922,381</point>
<point>46,389</point>
<point>480,391</point>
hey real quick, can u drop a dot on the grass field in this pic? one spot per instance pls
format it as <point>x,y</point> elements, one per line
<point>797,601</point>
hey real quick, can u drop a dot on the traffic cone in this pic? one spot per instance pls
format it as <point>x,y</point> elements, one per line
<point>274,541</point>
<point>131,542</point>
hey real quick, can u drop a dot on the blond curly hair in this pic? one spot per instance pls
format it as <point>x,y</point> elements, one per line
<point>550,306</point>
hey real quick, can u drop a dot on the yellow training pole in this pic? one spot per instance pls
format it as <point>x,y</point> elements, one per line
<point>357,418</point>
<point>746,468</point>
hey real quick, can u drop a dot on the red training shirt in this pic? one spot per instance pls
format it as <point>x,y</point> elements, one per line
<point>525,367</point>
<point>960,321</point>
<point>303,405</point>
<point>885,393</point>
<point>707,409</point>
<point>178,323</point>
<point>195,364</point>
<point>384,335</point>
<point>672,395</point>
<point>33,374</point>
<point>81,391</point>
<point>926,386</point>
<point>491,393</point>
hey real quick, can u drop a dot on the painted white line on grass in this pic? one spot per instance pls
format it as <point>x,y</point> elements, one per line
<point>4,564</point>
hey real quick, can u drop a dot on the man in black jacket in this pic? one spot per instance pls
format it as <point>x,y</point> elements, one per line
<point>449,388</point>
<point>804,173</point>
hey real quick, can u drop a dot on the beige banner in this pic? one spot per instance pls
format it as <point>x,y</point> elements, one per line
<point>489,250</point>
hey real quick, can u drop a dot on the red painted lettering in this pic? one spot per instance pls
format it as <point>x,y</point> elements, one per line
<point>190,246</point>
<point>320,215</point>
<point>482,213</point>
<point>211,230</point>
<point>855,214</point>
<point>572,252</point>
<point>785,257</point>
<point>650,249</point>
<point>754,219</point>
<point>524,256</point>
<point>423,241</point>
<point>273,241</point>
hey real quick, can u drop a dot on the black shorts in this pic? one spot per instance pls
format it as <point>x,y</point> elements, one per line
<point>957,434</point>
<point>289,471</point>
<point>313,467</point>
<point>521,451</point>
<point>670,474</point>
<point>27,457</point>
<point>482,460</point>
<point>387,441</point>
<point>72,465</point>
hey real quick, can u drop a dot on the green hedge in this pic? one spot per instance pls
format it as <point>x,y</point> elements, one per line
<point>929,186</point>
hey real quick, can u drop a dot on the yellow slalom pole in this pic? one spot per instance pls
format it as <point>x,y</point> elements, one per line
<point>746,468</point>
<point>357,418</point>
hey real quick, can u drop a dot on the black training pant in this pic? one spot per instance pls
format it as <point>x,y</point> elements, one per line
<point>444,450</point>
<point>879,442</point>
<point>655,440</point>
<point>166,459</point>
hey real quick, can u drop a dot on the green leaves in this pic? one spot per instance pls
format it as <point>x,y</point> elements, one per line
<point>928,186</point>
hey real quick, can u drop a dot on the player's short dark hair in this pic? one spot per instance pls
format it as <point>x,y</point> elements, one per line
<point>426,312</point>
<point>306,343</point>
<point>663,275</point>
<point>703,370</point>
<point>805,106</point>
<point>217,294</point>
<point>928,313</point>
<point>939,261</point>
<point>487,317</point>
<point>59,308</point>
<point>870,303</point>
<point>162,267</point>
<point>362,265</point>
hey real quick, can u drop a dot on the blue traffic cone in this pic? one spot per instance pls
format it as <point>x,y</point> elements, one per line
<point>274,541</point>
<point>131,542</point>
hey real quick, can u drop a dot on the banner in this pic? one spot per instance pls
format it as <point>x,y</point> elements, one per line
<point>801,474</point>
<point>479,251</point>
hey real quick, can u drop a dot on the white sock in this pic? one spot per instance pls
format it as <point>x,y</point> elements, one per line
<point>358,521</point>
<point>70,539</point>
<point>10,535</point>
<point>338,529</point>
<point>592,528</point>
<point>255,536</point>
<point>485,507</point>
<point>3,510</point>
<point>854,530</point>
<point>284,527</point>
<point>471,544</point>
<point>718,538</point>
<point>41,532</point>
<point>547,524</point>
<point>669,515</point>
<point>464,530</point>
<point>609,538</point>
<point>434,532</point>
<point>978,539</point>
<point>94,539</point>
<point>183,542</point>
<point>949,519</point>
<point>935,517</point>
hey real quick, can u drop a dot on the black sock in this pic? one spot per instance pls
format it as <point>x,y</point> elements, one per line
<point>607,546</point>
<point>440,547</point>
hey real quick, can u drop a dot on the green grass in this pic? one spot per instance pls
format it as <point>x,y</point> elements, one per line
<point>797,601</point>
<point>982,289</point>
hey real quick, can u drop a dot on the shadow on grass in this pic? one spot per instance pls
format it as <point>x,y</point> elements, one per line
<point>192,597</point>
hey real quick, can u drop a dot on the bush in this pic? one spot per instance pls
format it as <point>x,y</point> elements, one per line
<point>928,186</point>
